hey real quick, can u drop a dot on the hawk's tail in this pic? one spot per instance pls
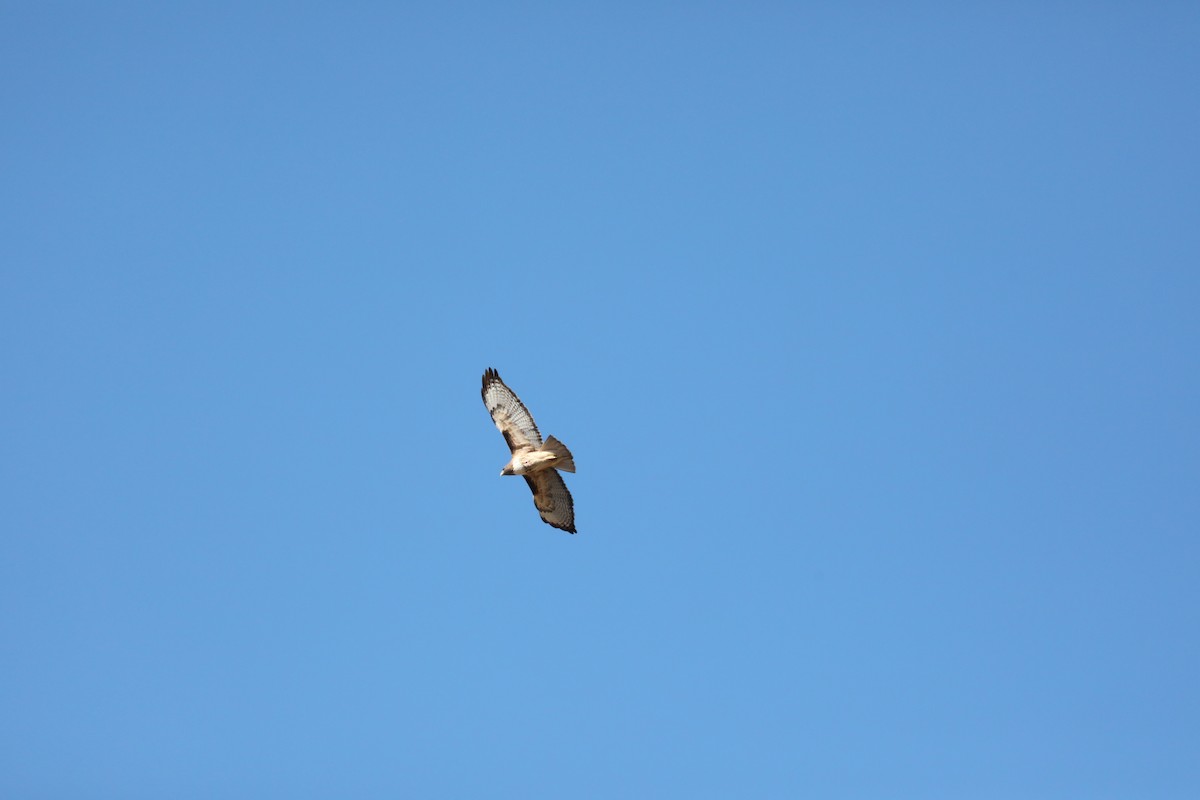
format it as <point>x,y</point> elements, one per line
<point>566,461</point>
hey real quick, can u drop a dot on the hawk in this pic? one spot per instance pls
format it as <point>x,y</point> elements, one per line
<point>536,461</point>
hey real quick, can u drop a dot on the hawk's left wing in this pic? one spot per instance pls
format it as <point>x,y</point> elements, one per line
<point>509,414</point>
<point>552,499</point>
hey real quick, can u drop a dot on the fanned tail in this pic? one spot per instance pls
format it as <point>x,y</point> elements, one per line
<point>566,461</point>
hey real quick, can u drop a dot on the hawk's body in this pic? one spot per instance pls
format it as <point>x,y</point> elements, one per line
<point>532,459</point>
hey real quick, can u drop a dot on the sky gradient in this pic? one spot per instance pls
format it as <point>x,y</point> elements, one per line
<point>873,332</point>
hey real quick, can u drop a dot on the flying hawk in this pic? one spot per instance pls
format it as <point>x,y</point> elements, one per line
<point>537,462</point>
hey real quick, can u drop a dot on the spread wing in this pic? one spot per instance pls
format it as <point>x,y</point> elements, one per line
<point>552,499</point>
<point>510,414</point>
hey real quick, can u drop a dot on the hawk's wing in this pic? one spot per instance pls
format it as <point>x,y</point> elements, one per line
<point>509,414</point>
<point>552,499</point>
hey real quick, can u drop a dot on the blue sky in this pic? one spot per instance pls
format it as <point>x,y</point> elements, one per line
<point>873,331</point>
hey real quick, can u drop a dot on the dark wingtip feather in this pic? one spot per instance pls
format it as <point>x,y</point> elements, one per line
<point>489,375</point>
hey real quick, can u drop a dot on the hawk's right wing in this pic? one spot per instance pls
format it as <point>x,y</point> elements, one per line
<point>552,499</point>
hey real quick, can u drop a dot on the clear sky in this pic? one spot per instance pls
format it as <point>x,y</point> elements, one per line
<point>874,332</point>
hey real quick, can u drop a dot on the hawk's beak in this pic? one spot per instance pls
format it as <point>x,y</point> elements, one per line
<point>506,471</point>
